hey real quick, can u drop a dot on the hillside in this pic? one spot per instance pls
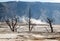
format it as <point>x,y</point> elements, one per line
<point>39,10</point>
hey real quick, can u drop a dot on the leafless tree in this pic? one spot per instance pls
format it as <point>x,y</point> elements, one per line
<point>30,24</point>
<point>49,21</point>
<point>11,23</point>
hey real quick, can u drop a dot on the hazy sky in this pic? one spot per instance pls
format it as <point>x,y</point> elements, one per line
<point>58,1</point>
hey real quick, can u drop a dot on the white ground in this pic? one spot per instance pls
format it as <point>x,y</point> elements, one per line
<point>23,35</point>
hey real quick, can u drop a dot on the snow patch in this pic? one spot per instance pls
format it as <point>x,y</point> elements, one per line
<point>33,20</point>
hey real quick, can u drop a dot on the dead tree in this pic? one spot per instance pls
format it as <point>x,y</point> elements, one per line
<point>29,19</point>
<point>49,21</point>
<point>30,24</point>
<point>12,23</point>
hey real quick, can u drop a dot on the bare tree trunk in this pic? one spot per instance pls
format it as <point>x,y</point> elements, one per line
<point>12,24</point>
<point>49,21</point>
<point>51,27</point>
<point>29,26</point>
<point>29,19</point>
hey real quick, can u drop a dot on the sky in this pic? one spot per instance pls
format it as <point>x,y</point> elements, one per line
<point>57,1</point>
